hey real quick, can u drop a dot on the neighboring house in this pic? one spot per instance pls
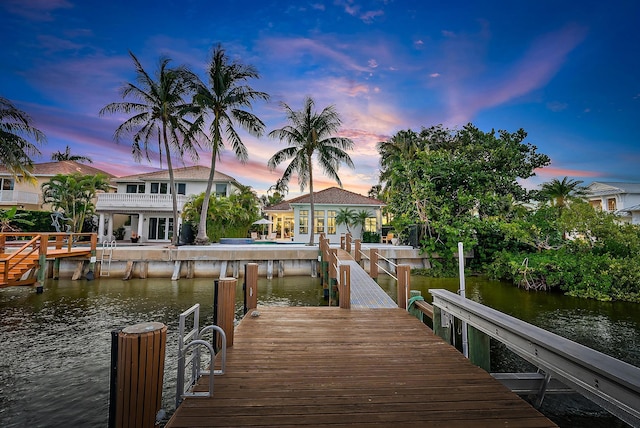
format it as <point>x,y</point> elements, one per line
<point>145,201</point>
<point>28,195</point>
<point>291,218</point>
<point>622,199</point>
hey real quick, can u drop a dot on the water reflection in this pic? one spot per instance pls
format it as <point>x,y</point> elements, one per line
<point>54,364</point>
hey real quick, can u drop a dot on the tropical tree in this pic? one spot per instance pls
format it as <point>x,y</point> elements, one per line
<point>11,218</point>
<point>560,193</point>
<point>67,156</point>
<point>460,182</point>
<point>230,216</point>
<point>73,195</point>
<point>346,216</point>
<point>309,133</point>
<point>227,100</point>
<point>361,220</point>
<point>161,113</point>
<point>16,149</point>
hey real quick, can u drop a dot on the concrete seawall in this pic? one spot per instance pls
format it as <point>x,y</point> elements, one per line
<point>215,261</point>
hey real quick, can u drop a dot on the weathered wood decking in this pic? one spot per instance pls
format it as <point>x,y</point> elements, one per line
<point>303,366</point>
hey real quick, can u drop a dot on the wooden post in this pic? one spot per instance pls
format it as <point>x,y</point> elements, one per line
<point>140,368</point>
<point>226,308</point>
<point>42,263</point>
<point>342,242</point>
<point>3,242</point>
<point>404,284</point>
<point>347,244</point>
<point>373,263</point>
<point>443,332</point>
<point>358,246</point>
<point>345,287</point>
<point>250,286</point>
<point>479,353</point>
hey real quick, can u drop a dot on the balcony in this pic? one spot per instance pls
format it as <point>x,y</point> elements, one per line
<point>17,197</point>
<point>123,202</point>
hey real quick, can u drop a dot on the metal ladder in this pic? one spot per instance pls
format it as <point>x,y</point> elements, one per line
<point>107,255</point>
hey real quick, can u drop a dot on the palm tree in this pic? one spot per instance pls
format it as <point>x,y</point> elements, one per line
<point>361,220</point>
<point>73,194</point>
<point>16,150</point>
<point>307,134</point>
<point>559,193</point>
<point>67,156</point>
<point>346,216</point>
<point>398,149</point>
<point>159,112</point>
<point>226,99</point>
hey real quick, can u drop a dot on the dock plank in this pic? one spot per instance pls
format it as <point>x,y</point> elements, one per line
<point>333,367</point>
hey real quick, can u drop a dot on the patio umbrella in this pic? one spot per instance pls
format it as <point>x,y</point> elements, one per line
<point>262,221</point>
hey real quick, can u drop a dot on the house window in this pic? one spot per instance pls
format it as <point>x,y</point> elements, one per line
<point>303,222</point>
<point>611,204</point>
<point>161,188</point>
<point>6,184</point>
<point>135,188</point>
<point>371,224</point>
<point>221,189</point>
<point>319,221</point>
<point>160,228</point>
<point>181,188</point>
<point>331,222</point>
<point>597,205</point>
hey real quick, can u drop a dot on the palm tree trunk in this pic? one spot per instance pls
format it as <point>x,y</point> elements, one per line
<point>202,238</point>
<point>311,204</point>
<point>174,197</point>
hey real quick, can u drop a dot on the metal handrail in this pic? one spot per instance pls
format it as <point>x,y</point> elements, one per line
<point>388,261</point>
<point>611,383</point>
<point>193,338</point>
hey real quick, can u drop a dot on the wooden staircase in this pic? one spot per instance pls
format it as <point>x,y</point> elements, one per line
<point>16,272</point>
<point>21,264</point>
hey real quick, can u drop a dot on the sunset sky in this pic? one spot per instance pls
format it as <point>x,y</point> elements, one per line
<point>567,72</point>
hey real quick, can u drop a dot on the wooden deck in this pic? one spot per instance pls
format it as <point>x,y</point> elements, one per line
<point>317,366</point>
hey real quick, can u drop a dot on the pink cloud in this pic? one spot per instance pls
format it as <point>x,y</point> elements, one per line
<point>295,48</point>
<point>550,171</point>
<point>536,68</point>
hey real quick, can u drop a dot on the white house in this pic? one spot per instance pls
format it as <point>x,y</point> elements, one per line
<point>622,199</point>
<point>291,218</point>
<point>146,203</point>
<point>27,194</point>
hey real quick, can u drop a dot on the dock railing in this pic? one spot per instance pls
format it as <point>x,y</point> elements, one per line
<point>401,274</point>
<point>611,383</point>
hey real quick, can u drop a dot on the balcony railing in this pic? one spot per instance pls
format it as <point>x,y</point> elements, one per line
<point>18,197</point>
<point>141,201</point>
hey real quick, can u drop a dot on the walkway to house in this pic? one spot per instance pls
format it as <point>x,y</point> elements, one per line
<point>320,366</point>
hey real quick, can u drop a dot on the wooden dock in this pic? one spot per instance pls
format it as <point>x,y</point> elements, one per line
<point>317,366</point>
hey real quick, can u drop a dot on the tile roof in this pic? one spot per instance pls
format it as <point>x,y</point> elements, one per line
<point>193,173</point>
<point>330,196</point>
<point>62,167</point>
<point>611,187</point>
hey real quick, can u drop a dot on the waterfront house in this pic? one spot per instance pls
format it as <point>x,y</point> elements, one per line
<point>290,219</point>
<point>145,202</point>
<point>26,194</point>
<point>622,199</point>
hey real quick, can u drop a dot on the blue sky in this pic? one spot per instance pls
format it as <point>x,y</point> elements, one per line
<point>567,72</point>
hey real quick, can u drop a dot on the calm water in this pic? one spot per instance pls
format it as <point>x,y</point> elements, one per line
<point>54,360</point>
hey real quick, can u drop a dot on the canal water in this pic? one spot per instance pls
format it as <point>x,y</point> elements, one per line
<point>55,346</point>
